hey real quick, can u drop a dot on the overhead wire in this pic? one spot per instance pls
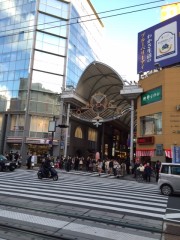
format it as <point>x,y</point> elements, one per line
<point>87,20</point>
<point>112,10</point>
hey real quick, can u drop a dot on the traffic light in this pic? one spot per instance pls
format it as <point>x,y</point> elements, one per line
<point>62,126</point>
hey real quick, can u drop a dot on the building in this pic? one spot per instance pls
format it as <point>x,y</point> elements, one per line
<point>158,115</point>
<point>158,107</point>
<point>44,48</point>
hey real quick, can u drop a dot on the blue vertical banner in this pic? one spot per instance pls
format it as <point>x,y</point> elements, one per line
<point>176,154</point>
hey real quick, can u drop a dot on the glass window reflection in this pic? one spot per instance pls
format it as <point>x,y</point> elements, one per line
<point>48,62</point>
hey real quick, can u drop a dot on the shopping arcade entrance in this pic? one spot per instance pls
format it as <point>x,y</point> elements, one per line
<point>97,99</point>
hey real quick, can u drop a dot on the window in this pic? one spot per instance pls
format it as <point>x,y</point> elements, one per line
<point>92,135</point>
<point>39,124</point>
<point>165,169</point>
<point>17,123</point>
<point>78,132</point>
<point>175,170</point>
<point>151,124</point>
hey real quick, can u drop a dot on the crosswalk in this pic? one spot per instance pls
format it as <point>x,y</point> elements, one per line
<point>125,197</point>
<point>91,174</point>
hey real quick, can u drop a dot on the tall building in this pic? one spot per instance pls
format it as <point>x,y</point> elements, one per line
<point>45,45</point>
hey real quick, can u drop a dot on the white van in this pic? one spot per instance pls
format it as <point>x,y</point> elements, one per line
<point>169,178</point>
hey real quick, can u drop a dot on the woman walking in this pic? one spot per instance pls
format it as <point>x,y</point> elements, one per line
<point>100,164</point>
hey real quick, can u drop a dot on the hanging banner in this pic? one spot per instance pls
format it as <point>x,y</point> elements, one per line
<point>176,154</point>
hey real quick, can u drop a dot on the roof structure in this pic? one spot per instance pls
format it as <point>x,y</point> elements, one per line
<point>99,90</point>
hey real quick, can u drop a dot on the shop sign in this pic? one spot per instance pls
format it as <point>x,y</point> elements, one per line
<point>176,154</point>
<point>151,96</point>
<point>145,140</point>
<point>159,149</point>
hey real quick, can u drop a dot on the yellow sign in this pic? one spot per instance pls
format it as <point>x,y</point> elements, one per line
<point>169,11</point>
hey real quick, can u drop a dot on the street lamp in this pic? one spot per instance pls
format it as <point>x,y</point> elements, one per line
<point>131,92</point>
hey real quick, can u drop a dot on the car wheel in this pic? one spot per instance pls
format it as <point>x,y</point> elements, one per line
<point>166,190</point>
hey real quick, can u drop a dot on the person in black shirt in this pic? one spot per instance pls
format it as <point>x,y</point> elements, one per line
<point>157,168</point>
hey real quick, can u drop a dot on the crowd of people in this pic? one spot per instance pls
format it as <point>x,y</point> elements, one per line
<point>111,166</point>
<point>146,170</point>
<point>116,167</point>
<point>89,164</point>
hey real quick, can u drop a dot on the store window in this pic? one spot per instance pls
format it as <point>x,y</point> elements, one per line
<point>78,132</point>
<point>92,135</point>
<point>151,124</point>
<point>39,124</point>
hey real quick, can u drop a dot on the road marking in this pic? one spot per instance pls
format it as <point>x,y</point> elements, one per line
<point>172,215</point>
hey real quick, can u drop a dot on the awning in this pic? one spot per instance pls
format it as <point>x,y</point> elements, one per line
<point>168,153</point>
<point>145,152</point>
<point>151,152</point>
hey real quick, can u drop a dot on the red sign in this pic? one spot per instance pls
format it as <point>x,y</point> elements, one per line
<point>145,140</point>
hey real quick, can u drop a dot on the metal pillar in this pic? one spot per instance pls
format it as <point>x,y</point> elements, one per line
<point>66,131</point>
<point>132,131</point>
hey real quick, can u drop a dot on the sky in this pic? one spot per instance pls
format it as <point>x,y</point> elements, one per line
<point>121,32</point>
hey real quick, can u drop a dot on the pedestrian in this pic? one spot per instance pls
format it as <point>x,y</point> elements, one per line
<point>123,169</point>
<point>29,161</point>
<point>76,163</point>
<point>94,165</point>
<point>81,163</point>
<point>147,172</point>
<point>111,166</point>
<point>157,169</point>
<point>87,163</point>
<point>90,165</point>
<point>107,166</point>
<point>100,166</point>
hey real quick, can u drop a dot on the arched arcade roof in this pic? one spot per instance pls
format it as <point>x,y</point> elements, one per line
<point>101,78</point>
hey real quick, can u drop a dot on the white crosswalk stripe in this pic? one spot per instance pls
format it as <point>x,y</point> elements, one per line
<point>119,196</point>
<point>90,174</point>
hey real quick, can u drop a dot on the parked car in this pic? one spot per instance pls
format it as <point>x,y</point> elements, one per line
<point>169,178</point>
<point>5,164</point>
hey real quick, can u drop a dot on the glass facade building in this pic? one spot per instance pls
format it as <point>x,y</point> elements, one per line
<point>45,45</point>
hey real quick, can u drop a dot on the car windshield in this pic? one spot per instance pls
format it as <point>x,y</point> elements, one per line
<point>2,158</point>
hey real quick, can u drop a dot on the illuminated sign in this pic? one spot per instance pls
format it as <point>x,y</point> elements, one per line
<point>159,45</point>
<point>145,140</point>
<point>151,96</point>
